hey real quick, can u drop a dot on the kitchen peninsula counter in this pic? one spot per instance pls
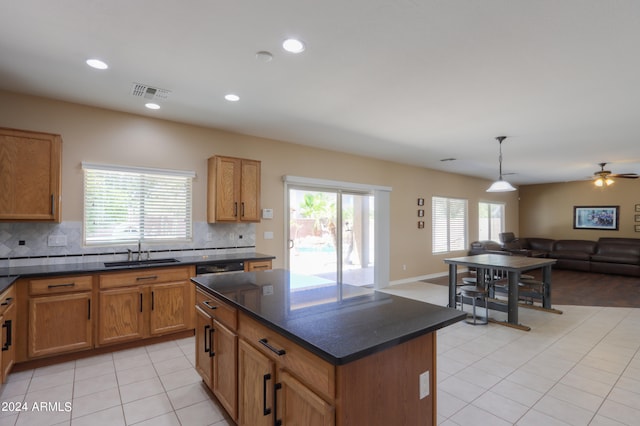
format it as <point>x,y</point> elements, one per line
<point>336,355</point>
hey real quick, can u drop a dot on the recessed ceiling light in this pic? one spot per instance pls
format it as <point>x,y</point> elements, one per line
<point>97,64</point>
<point>151,105</point>
<point>293,45</point>
<point>232,98</point>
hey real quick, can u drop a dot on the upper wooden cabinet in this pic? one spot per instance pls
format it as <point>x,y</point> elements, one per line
<point>233,190</point>
<point>30,183</point>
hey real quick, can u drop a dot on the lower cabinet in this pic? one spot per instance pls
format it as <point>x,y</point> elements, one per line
<point>217,350</point>
<point>59,324</point>
<point>256,378</point>
<point>60,315</point>
<point>8,321</point>
<point>140,304</point>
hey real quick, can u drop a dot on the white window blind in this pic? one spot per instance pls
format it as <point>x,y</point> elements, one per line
<point>125,204</point>
<point>449,224</point>
<point>490,221</point>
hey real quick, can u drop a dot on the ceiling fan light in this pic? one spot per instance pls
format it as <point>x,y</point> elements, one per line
<point>599,182</point>
<point>609,181</point>
<point>501,186</point>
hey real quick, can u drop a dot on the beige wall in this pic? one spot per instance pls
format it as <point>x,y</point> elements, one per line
<point>547,210</point>
<point>104,136</point>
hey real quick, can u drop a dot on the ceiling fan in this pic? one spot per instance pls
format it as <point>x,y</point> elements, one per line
<point>604,177</point>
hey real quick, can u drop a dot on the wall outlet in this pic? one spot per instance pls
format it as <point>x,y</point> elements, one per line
<point>424,385</point>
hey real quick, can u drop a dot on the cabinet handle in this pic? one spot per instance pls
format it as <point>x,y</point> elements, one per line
<point>211,352</point>
<point>89,309</point>
<point>207,304</point>
<point>140,302</point>
<point>206,327</point>
<point>265,411</point>
<point>242,205</point>
<point>276,388</point>
<point>260,266</point>
<point>7,325</point>
<point>7,301</point>
<point>265,343</point>
<point>50,286</point>
<point>235,209</point>
<point>53,204</point>
<point>152,300</point>
<point>148,277</point>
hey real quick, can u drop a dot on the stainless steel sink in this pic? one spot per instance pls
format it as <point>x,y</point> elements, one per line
<point>133,263</point>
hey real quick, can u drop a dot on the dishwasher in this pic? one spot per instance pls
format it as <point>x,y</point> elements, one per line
<point>228,267</point>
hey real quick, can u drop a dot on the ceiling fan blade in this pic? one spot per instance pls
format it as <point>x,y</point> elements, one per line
<point>626,175</point>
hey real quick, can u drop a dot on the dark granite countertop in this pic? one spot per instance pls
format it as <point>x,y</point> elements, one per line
<point>310,311</point>
<point>9,275</point>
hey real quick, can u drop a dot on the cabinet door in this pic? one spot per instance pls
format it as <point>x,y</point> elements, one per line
<point>225,367</point>
<point>8,355</point>
<point>204,351</point>
<point>227,188</point>
<point>121,315</point>
<point>298,405</point>
<point>169,307</point>
<point>59,324</point>
<point>30,185</point>
<point>250,191</point>
<point>256,378</point>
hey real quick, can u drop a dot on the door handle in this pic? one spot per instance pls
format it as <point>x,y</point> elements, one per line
<point>265,411</point>
<point>206,327</point>
<point>290,244</point>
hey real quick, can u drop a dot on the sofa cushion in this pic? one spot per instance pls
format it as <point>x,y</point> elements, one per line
<point>573,249</point>
<point>614,249</point>
<point>542,244</point>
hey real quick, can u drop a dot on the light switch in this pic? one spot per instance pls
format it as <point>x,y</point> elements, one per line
<point>268,235</point>
<point>267,213</point>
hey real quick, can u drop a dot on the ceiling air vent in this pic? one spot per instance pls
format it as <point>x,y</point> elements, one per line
<point>148,92</point>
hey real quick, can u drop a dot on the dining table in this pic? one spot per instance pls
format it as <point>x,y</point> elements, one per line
<point>511,265</point>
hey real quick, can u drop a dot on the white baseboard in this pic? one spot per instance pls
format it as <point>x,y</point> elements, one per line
<point>425,277</point>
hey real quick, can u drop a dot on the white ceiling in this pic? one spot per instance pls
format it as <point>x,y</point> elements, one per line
<point>413,81</point>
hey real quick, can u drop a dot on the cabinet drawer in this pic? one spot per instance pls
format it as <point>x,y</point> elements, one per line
<point>144,276</point>
<point>7,298</point>
<point>315,372</point>
<point>218,309</point>
<point>61,285</point>
<point>257,265</point>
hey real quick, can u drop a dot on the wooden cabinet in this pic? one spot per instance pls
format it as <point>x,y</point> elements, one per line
<point>217,349</point>
<point>30,187</point>
<point>257,265</point>
<point>233,190</point>
<point>301,387</point>
<point>60,315</point>
<point>256,378</point>
<point>143,303</point>
<point>8,321</point>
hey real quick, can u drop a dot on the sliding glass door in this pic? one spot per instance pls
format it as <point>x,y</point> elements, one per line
<point>331,235</point>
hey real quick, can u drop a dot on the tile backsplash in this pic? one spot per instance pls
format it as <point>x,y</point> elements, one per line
<point>26,244</point>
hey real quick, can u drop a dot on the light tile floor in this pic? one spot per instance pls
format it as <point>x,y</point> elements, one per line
<point>578,368</point>
<point>153,385</point>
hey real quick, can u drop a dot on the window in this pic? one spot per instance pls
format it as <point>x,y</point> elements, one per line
<point>125,204</point>
<point>491,221</point>
<point>449,226</point>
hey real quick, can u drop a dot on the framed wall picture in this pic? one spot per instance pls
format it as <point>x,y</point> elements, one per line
<point>421,201</point>
<point>638,218</point>
<point>596,217</point>
<point>420,224</point>
<point>420,213</point>
<point>637,228</point>
<point>638,208</point>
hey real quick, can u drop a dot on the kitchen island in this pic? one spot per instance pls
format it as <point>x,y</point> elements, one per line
<point>303,350</point>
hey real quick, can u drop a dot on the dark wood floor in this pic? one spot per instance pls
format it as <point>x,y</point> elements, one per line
<point>587,289</point>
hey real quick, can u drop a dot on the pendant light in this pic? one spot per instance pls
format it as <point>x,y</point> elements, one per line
<point>500,185</point>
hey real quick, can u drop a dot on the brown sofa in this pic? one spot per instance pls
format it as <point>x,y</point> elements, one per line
<point>619,256</point>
